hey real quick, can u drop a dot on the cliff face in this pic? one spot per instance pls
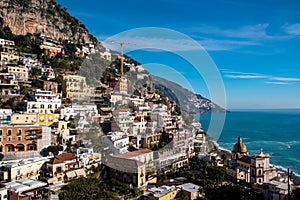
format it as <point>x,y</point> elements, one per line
<point>42,16</point>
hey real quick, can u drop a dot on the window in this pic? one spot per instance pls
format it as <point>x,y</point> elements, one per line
<point>0,139</point>
<point>0,131</point>
<point>49,106</point>
<point>29,170</point>
<point>19,138</point>
<point>17,118</point>
<point>9,132</point>
<point>9,139</point>
<point>18,172</point>
<point>42,106</point>
<point>19,132</point>
<point>259,172</point>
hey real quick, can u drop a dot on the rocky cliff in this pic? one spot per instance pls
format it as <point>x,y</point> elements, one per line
<point>42,16</point>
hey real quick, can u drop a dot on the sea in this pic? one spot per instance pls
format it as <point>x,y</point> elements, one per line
<point>276,132</point>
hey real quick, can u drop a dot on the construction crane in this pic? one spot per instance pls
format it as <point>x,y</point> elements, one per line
<point>122,43</point>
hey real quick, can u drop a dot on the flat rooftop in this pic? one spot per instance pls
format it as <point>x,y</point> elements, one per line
<point>25,185</point>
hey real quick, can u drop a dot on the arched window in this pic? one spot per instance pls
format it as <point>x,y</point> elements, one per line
<point>259,172</point>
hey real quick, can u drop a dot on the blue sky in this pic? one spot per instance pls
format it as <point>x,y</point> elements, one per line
<point>254,44</point>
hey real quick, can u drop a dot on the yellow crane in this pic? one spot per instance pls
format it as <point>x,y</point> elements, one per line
<point>122,43</point>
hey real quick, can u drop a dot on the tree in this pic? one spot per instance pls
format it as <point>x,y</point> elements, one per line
<point>54,149</point>
<point>224,157</point>
<point>1,156</point>
<point>69,145</point>
<point>36,72</point>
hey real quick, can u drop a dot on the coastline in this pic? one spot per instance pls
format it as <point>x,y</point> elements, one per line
<point>240,120</point>
<point>278,167</point>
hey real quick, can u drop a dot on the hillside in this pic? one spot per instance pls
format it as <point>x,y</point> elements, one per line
<point>187,100</point>
<point>21,20</point>
<point>43,16</point>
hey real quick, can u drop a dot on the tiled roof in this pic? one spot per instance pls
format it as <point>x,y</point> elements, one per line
<point>133,153</point>
<point>62,158</point>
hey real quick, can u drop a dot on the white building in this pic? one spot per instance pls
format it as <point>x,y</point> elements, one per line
<point>117,142</point>
<point>8,84</point>
<point>116,98</point>
<point>5,42</point>
<point>67,113</point>
<point>106,55</point>
<point>49,72</point>
<point>261,171</point>
<point>26,168</point>
<point>3,193</point>
<point>5,117</point>
<point>86,114</point>
<point>20,72</point>
<point>43,102</point>
<point>88,157</point>
<point>160,115</point>
<point>29,60</point>
<point>123,118</point>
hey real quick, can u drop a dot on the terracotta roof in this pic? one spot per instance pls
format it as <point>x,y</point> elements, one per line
<point>62,158</point>
<point>133,153</point>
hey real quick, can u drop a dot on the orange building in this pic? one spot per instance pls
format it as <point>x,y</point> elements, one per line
<point>20,138</point>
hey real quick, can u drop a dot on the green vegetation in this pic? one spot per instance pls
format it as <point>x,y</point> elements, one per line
<point>93,188</point>
<point>1,156</point>
<point>54,149</point>
<point>212,178</point>
<point>20,3</point>
<point>14,104</point>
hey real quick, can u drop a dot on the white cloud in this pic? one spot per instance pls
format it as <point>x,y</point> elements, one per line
<point>293,29</point>
<point>245,76</point>
<point>155,43</point>
<point>218,44</point>
<point>285,79</point>
<point>269,79</point>
<point>277,83</point>
<point>255,32</point>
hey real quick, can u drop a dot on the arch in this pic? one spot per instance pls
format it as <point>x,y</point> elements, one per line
<point>20,147</point>
<point>9,147</point>
<point>31,147</point>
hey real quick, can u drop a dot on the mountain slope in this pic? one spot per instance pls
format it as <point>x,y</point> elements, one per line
<point>187,100</point>
<point>43,16</point>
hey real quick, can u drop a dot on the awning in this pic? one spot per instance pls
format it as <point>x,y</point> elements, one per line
<point>80,172</point>
<point>71,174</point>
<point>51,180</point>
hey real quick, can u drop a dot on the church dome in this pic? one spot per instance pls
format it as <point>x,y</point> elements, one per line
<point>239,147</point>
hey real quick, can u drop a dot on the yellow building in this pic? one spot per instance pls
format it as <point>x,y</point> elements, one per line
<point>47,119</point>
<point>75,87</point>
<point>21,73</point>
<point>168,195</point>
<point>23,119</point>
<point>150,141</point>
